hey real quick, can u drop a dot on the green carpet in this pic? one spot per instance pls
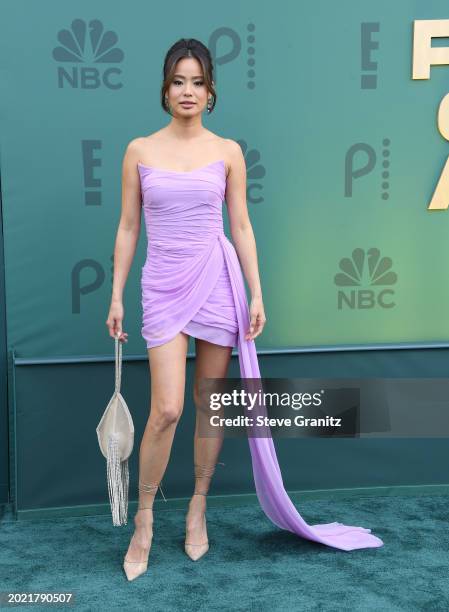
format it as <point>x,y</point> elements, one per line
<point>251,564</point>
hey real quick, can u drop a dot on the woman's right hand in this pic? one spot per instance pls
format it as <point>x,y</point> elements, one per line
<point>115,320</point>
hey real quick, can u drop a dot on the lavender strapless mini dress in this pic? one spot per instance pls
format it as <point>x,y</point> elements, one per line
<point>192,282</point>
<point>185,280</point>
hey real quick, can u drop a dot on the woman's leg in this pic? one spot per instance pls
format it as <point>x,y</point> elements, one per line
<point>212,361</point>
<point>167,366</point>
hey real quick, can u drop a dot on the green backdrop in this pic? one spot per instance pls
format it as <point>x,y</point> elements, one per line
<point>341,146</point>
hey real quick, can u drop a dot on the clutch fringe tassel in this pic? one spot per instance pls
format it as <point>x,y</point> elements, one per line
<point>118,483</point>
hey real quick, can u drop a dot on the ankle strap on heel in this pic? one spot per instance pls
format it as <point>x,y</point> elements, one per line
<point>150,487</point>
<point>203,471</point>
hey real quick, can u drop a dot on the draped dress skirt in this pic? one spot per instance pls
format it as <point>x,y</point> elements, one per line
<point>192,282</point>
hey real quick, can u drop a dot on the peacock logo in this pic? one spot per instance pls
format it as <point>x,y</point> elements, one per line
<point>371,276</point>
<point>255,171</point>
<point>82,50</point>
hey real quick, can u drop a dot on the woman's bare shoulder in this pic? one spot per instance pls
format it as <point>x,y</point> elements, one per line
<point>154,135</point>
<point>233,154</point>
<point>138,145</point>
<point>232,146</point>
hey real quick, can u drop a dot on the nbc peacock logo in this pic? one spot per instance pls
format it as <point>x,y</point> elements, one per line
<point>366,280</point>
<point>88,54</point>
<point>255,172</point>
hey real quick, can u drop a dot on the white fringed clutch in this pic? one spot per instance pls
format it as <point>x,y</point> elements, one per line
<point>115,433</point>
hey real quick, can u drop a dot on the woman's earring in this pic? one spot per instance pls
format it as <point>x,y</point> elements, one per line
<point>209,105</point>
<point>167,104</point>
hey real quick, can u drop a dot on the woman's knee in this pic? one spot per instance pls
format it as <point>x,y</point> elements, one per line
<point>201,393</point>
<point>165,413</point>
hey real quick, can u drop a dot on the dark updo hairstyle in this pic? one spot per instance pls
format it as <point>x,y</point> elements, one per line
<point>188,47</point>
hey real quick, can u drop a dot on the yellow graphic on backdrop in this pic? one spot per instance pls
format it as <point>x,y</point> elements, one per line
<point>425,56</point>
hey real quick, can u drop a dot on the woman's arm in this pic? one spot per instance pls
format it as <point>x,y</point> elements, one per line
<point>243,235</point>
<point>127,236</point>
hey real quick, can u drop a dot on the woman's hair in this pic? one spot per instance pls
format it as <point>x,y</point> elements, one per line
<point>188,47</point>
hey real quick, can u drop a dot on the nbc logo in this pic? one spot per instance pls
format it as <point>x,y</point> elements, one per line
<point>255,171</point>
<point>86,53</point>
<point>366,280</point>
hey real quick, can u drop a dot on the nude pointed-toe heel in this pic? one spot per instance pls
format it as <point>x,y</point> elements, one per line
<point>134,569</point>
<point>196,551</point>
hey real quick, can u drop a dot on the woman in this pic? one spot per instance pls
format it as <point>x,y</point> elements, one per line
<point>192,285</point>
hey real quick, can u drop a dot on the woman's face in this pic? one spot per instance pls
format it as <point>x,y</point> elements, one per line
<point>187,86</point>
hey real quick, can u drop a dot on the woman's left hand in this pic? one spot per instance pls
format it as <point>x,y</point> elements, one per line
<point>257,318</point>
